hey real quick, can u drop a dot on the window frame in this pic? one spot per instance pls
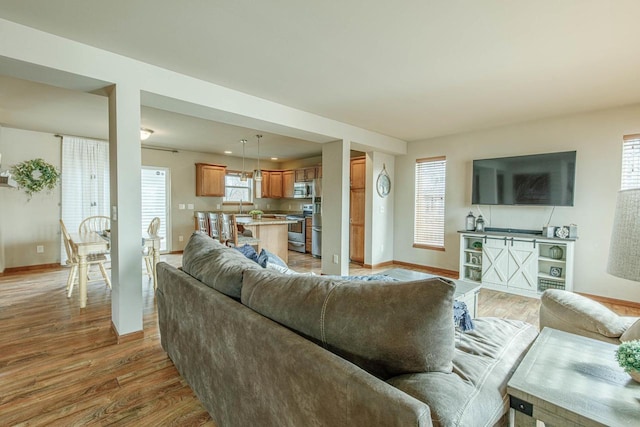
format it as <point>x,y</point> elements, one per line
<point>427,236</point>
<point>630,168</point>
<point>249,187</point>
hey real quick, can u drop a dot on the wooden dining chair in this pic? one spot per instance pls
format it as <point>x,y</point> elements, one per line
<point>152,230</point>
<point>72,262</point>
<point>202,223</point>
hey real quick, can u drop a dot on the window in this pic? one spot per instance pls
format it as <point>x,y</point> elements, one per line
<point>631,162</point>
<point>429,206</point>
<point>84,182</point>
<point>236,191</point>
<point>155,183</point>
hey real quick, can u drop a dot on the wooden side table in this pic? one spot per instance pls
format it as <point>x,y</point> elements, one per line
<point>570,380</point>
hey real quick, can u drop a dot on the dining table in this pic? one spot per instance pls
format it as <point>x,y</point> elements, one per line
<point>94,242</point>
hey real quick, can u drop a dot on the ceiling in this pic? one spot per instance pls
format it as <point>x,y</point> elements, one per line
<point>39,107</point>
<point>413,70</point>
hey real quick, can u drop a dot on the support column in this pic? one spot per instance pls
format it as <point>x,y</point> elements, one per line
<point>126,248</point>
<point>335,207</point>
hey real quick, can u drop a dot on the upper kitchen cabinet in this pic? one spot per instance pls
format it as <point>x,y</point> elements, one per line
<point>275,184</point>
<point>210,179</point>
<point>308,174</point>
<point>271,185</point>
<point>288,179</point>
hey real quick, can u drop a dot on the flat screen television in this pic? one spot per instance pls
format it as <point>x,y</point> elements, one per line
<point>538,179</point>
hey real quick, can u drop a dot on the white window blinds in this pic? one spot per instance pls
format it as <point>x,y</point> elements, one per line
<point>630,162</point>
<point>154,182</point>
<point>429,204</point>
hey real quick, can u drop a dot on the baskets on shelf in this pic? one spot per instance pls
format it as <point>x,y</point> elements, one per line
<point>544,284</point>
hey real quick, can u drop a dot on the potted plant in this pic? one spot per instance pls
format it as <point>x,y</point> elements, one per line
<point>256,213</point>
<point>628,356</point>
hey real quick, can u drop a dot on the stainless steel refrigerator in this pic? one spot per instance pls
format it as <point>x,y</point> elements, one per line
<point>316,219</point>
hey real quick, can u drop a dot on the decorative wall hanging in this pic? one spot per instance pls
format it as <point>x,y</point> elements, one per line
<point>35,175</point>
<point>383,184</point>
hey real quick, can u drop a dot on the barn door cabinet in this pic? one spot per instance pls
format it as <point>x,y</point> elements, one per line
<point>520,264</point>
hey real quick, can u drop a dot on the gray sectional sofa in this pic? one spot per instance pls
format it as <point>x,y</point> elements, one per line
<point>263,348</point>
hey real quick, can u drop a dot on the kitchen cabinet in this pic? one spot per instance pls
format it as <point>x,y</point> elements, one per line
<point>275,184</point>
<point>357,210</point>
<point>288,178</point>
<point>306,174</point>
<point>517,264</point>
<point>210,179</point>
<point>262,188</point>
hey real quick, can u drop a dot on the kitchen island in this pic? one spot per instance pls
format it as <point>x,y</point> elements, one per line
<point>272,233</point>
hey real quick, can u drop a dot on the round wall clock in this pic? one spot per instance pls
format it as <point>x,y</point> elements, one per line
<point>383,184</point>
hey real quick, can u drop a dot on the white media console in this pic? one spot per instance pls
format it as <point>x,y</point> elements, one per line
<point>517,262</point>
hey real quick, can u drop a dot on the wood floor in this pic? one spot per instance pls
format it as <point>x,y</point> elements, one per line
<point>60,365</point>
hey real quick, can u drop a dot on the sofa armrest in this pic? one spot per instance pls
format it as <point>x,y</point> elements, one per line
<point>580,315</point>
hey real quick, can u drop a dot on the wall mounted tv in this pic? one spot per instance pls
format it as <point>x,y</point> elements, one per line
<point>538,179</point>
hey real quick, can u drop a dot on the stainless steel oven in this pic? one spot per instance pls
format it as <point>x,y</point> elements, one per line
<point>296,233</point>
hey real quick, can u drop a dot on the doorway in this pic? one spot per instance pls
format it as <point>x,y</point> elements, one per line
<point>155,186</point>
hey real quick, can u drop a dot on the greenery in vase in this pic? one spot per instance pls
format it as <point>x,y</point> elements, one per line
<point>628,355</point>
<point>255,212</point>
<point>35,175</point>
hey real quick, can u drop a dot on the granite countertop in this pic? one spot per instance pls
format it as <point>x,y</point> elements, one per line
<point>264,221</point>
<point>515,233</point>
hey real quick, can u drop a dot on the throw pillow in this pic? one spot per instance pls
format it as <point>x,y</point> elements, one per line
<point>632,333</point>
<point>387,328</point>
<point>216,265</point>
<point>266,256</point>
<point>249,252</point>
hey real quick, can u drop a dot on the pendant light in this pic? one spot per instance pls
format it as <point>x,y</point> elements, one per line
<point>257,175</point>
<point>243,174</point>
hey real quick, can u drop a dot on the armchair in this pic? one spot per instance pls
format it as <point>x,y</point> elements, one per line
<point>580,315</point>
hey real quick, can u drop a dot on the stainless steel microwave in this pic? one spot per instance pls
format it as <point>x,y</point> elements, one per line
<point>302,190</point>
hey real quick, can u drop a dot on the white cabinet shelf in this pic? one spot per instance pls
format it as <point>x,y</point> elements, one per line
<point>515,263</point>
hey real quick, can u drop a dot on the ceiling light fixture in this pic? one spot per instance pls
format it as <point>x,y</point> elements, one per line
<point>243,174</point>
<point>145,134</point>
<point>274,158</point>
<point>257,175</point>
<point>228,152</point>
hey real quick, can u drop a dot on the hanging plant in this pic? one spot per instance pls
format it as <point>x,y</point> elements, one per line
<point>35,175</point>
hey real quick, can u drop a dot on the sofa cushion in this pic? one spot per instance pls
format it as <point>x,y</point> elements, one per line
<point>387,328</point>
<point>215,264</point>
<point>475,393</point>
<point>579,315</point>
<point>632,333</point>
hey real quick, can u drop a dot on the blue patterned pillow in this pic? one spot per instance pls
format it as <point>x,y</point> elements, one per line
<point>249,252</point>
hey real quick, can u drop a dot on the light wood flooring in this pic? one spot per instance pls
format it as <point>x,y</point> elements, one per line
<point>60,365</point>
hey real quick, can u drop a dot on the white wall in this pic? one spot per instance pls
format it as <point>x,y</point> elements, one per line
<point>24,225</point>
<point>379,211</point>
<point>183,188</point>
<point>597,138</point>
<point>27,223</point>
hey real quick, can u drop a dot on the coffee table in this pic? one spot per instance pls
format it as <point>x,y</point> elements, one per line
<point>465,292</point>
<point>570,380</point>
